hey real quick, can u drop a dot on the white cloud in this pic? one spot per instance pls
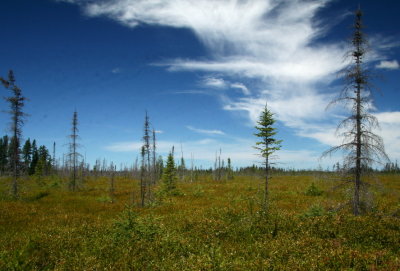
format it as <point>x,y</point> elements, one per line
<point>272,41</point>
<point>203,131</point>
<point>258,38</point>
<point>219,83</point>
<point>214,82</point>
<point>390,132</point>
<point>390,65</point>
<point>297,68</point>
<point>389,118</point>
<point>242,87</point>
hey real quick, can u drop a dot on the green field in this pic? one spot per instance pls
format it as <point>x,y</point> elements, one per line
<point>210,226</point>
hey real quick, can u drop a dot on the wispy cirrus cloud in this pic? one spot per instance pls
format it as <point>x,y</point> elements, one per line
<point>273,41</point>
<point>268,40</point>
<point>204,131</point>
<point>214,82</point>
<point>242,87</point>
<point>219,83</point>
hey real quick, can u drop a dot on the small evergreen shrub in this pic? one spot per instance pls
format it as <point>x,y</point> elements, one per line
<point>313,190</point>
<point>198,191</point>
<point>129,226</point>
<point>314,211</point>
<point>104,199</point>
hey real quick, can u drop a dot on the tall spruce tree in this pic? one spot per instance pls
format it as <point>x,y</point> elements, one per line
<point>16,102</point>
<point>35,158</point>
<point>169,177</point>
<point>361,145</point>
<point>44,161</point>
<point>27,155</point>
<point>267,146</point>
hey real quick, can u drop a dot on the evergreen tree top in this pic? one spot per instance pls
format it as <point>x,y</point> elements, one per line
<point>266,132</point>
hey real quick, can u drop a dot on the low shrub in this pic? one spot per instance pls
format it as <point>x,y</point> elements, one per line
<point>313,190</point>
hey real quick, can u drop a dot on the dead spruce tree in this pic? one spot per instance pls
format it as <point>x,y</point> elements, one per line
<point>154,168</point>
<point>362,146</point>
<point>148,168</point>
<point>113,169</point>
<point>17,120</point>
<point>73,154</point>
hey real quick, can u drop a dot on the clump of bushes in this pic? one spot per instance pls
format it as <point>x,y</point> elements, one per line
<point>129,226</point>
<point>314,211</point>
<point>313,190</point>
<point>198,191</point>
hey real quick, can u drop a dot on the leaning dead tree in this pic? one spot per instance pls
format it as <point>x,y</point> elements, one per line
<point>361,145</point>
<point>17,120</point>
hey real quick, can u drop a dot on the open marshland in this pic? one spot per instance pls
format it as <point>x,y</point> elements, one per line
<point>208,226</point>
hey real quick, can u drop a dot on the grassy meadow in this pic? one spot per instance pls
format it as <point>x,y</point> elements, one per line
<point>209,226</point>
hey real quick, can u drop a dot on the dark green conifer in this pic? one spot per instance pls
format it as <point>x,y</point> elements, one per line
<point>169,177</point>
<point>267,145</point>
<point>27,155</point>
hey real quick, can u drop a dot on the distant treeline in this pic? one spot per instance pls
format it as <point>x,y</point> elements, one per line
<point>259,170</point>
<point>34,159</point>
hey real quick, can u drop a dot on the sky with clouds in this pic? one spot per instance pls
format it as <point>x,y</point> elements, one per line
<point>202,69</point>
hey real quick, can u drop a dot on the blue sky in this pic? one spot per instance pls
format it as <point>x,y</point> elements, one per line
<point>202,69</point>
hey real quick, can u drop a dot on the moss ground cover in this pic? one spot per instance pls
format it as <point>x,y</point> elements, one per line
<point>209,226</point>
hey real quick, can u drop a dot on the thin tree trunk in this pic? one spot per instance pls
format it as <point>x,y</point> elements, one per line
<point>356,200</point>
<point>112,189</point>
<point>266,180</point>
<point>358,54</point>
<point>15,161</point>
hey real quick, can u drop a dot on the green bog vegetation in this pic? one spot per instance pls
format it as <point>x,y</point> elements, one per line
<point>208,226</point>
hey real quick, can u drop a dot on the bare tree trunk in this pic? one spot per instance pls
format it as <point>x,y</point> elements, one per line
<point>265,203</point>
<point>142,179</point>
<point>358,80</point>
<point>54,161</point>
<point>15,162</point>
<point>154,166</point>
<point>191,167</point>
<point>112,188</point>
<point>73,154</point>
